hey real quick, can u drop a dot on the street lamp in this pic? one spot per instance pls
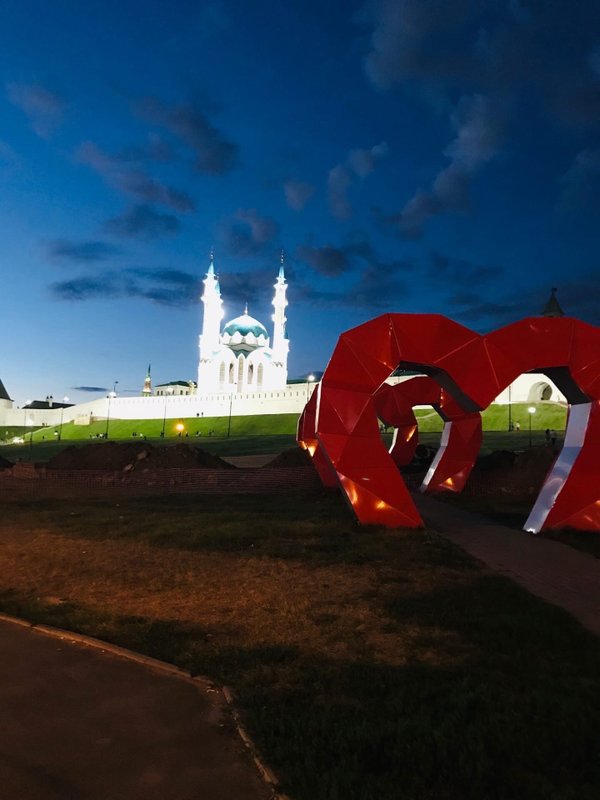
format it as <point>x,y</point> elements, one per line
<point>179,428</point>
<point>62,414</point>
<point>531,411</point>
<point>310,379</point>
<point>168,391</point>
<point>110,397</point>
<point>229,421</point>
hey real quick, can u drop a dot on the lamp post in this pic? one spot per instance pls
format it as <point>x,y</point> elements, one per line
<point>25,417</point>
<point>510,425</point>
<point>62,414</point>
<point>229,420</point>
<point>531,412</point>
<point>168,391</point>
<point>179,428</point>
<point>110,397</point>
<point>310,379</point>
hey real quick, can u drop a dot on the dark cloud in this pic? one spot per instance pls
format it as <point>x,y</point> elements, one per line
<point>146,188</point>
<point>249,286</point>
<point>91,389</point>
<point>297,193</point>
<point>43,108</point>
<point>327,260</point>
<point>248,233</point>
<point>479,123</point>
<point>457,46</point>
<point>118,171</point>
<point>581,183</point>
<point>576,297</point>
<point>166,287</point>
<point>215,155</point>
<point>365,293</point>
<point>81,252</point>
<point>447,270</point>
<point>85,288</point>
<point>340,179</point>
<point>142,221</point>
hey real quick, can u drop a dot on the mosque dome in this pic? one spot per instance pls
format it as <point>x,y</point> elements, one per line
<point>244,325</point>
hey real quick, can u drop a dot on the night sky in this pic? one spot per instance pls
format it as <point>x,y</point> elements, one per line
<point>408,155</point>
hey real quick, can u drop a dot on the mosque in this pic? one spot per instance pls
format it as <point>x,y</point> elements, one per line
<point>242,371</point>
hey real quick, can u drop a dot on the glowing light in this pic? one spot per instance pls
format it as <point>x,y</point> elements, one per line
<point>531,410</point>
<point>179,427</point>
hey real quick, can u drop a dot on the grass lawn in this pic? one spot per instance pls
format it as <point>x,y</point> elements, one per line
<point>368,665</point>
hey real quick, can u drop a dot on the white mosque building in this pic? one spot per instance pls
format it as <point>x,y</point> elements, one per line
<point>242,371</point>
<point>240,358</point>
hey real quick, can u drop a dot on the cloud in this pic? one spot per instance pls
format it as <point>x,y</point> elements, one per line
<point>145,188</point>
<point>581,183</point>
<point>248,233</point>
<point>447,270</point>
<point>576,299</point>
<point>85,288</point>
<point>339,180</point>
<point>327,260</point>
<point>297,193</point>
<point>91,389</point>
<point>79,252</point>
<point>43,108</point>
<point>165,287</point>
<point>364,161</point>
<point>365,293</point>
<point>479,123</point>
<point>119,173</point>
<point>445,47</point>
<point>215,155</point>
<point>144,222</point>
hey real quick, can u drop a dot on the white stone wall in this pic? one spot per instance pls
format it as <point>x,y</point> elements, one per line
<point>291,400</point>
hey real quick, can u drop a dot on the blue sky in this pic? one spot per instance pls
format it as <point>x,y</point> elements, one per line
<point>408,155</point>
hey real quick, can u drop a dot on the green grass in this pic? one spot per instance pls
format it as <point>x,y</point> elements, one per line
<point>367,665</point>
<point>495,418</point>
<point>152,428</point>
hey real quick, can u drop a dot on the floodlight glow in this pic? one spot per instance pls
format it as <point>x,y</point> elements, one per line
<point>531,409</point>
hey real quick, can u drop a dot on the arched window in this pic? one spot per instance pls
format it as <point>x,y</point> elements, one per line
<point>222,373</point>
<point>240,373</point>
<point>259,378</point>
<point>250,373</point>
<point>231,373</point>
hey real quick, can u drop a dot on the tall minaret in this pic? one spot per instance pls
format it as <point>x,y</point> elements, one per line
<point>280,344</point>
<point>211,330</point>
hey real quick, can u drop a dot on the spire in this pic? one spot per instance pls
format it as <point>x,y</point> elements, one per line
<point>246,309</point>
<point>147,390</point>
<point>281,276</point>
<point>211,266</point>
<point>552,307</point>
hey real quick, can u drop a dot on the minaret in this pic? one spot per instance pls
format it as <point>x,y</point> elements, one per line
<point>280,344</point>
<point>147,390</point>
<point>211,330</point>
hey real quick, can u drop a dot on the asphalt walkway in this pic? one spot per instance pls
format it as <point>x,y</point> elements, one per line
<point>77,723</point>
<point>553,571</point>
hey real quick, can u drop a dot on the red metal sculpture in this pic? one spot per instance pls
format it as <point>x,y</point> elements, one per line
<point>340,423</point>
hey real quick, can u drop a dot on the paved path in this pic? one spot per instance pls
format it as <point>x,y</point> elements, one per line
<point>553,571</point>
<point>80,724</point>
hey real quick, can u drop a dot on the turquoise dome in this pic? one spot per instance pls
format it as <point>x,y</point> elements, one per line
<point>244,325</point>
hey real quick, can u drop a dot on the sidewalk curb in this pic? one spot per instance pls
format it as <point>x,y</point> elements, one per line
<point>201,683</point>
